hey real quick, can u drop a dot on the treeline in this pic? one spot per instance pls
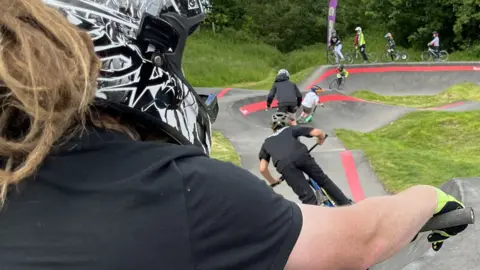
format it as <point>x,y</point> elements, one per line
<point>292,24</point>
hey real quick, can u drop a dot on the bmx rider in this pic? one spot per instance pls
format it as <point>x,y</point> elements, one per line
<point>336,42</point>
<point>360,43</point>
<point>287,92</point>
<point>435,44</point>
<point>342,74</point>
<point>390,45</point>
<point>309,103</point>
<point>291,159</point>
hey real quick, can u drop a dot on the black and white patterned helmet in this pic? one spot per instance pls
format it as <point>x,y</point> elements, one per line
<point>280,120</point>
<point>141,44</point>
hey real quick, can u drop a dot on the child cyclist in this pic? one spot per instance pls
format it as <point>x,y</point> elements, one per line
<point>435,44</point>
<point>342,74</point>
<point>391,46</point>
<point>291,159</point>
<point>308,104</point>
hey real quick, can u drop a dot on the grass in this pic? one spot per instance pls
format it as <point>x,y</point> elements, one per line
<point>466,91</point>
<point>232,59</point>
<point>427,147</point>
<point>223,150</point>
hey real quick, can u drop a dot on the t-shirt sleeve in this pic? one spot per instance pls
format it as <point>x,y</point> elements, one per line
<point>236,220</point>
<point>263,154</point>
<point>298,131</point>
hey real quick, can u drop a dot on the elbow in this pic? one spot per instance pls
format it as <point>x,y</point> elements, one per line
<point>373,243</point>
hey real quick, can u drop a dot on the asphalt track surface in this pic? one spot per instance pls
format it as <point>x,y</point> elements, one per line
<point>245,122</point>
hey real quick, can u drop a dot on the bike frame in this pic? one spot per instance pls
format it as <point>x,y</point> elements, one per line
<point>432,51</point>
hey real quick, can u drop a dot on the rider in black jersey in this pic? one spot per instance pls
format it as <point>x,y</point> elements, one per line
<point>291,159</point>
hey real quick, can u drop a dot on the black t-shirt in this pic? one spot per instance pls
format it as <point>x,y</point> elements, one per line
<point>107,202</point>
<point>284,146</point>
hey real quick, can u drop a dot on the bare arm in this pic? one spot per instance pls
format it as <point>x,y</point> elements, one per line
<point>266,172</point>
<point>359,236</point>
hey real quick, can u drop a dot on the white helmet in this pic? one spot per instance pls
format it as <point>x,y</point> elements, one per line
<point>283,72</point>
<point>280,120</point>
<point>358,29</point>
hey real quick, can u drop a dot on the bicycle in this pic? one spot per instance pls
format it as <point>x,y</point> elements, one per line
<point>356,56</point>
<point>335,85</point>
<point>323,199</point>
<point>394,55</point>
<point>430,55</point>
<point>331,57</point>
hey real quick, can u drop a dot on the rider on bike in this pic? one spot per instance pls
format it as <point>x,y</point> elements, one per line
<point>336,42</point>
<point>435,44</point>
<point>291,159</point>
<point>390,45</point>
<point>287,92</point>
<point>360,43</point>
<point>342,74</point>
<point>308,103</point>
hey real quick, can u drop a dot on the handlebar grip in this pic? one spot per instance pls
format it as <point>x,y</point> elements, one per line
<point>451,219</point>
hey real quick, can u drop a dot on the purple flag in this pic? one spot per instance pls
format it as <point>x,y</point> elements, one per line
<point>332,12</point>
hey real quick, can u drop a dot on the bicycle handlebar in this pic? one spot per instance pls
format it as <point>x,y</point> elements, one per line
<point>450,219</point>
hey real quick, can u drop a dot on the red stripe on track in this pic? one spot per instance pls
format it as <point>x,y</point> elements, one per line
<point>352,176</point>
<point>394,69</point>
<point>262,105</point>
<point>223,92</point>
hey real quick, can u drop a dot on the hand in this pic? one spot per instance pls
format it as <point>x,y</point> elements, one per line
<point>321,140</point>
<point>446,203</point>
<point>356,47</point>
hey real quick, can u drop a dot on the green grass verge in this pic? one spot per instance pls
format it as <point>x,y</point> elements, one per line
<point>428,147</point>
<point>232,59</point>
<point>223,150</point>
<point>466,91</point>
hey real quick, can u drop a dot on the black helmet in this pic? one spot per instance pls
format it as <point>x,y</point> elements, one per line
<point>341,67</point>
<point>280,120</point>
<point>141,44</point>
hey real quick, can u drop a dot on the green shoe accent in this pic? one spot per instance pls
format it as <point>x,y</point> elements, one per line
<point>308,119</point>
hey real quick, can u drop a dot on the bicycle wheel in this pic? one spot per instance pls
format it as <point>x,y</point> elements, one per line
<point>333,84</point>
<point>443,56</point>
<point>347,59</point>
<point>327,201</point>
<point>372,57</point>
<point>426,56</point>
<point>331,59</point>
<point>385,57</point>
<point>403,56</point>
